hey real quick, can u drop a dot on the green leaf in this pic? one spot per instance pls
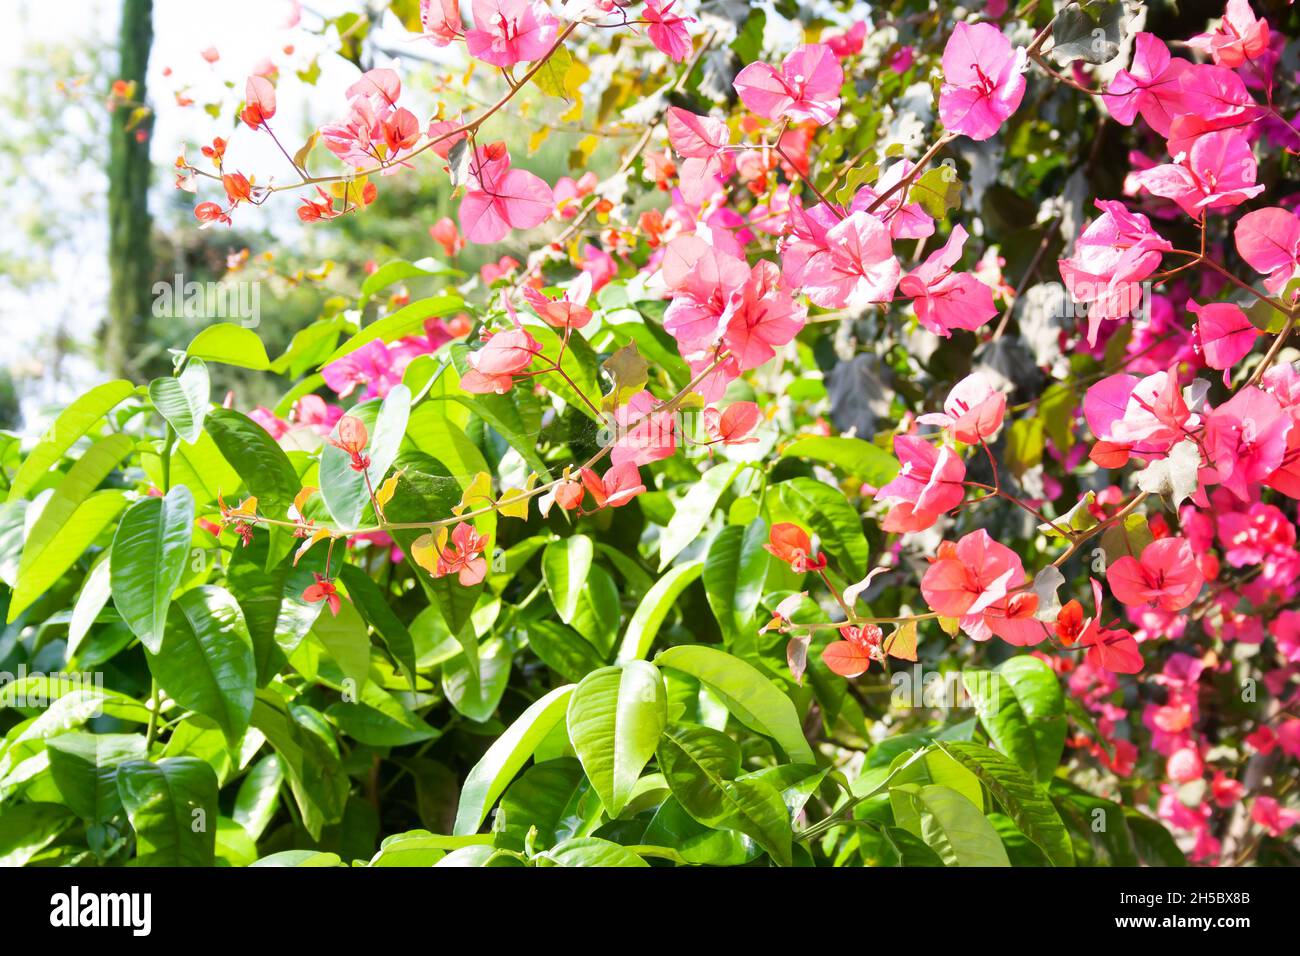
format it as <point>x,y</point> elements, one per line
<point>555,797</point>
<point>149,553</point>
<point>374,605</point>
<point>73,422</point>
<point>380,720</point>
<point>954,827</point>
<point>259,796</point>
<point>408,320</point>
<point>72,518</point>
<point>701,766</point>
<point>263,466</point>
<point>400,270</point>
<point>28,828</point>
<point>562,649</point>
<point>206,660</point>
<point>1099,831</point>
<point>1092,32</point>
<point>1038,691</point>
<point>1154,844</point>
<point>1003,719</point>
<point>84,768</point>
<point>693,511</point>
<point>183,400</point>
<point>1022,800</point>
<point>748,694</point>
<point>309,858</point>
<point>347,641</point>
<point>591,851</point>
<point>315,776</point>
<point>1025,444</point>
<point>615,717</point>
<point>734,572</point>
<point>937,191</point>
<point>476,695</point>
<point>853,456</point>
<point>172,805</point>
<point>230,344</point>
<point>565,565</point>
<point>653,609</point>
<point>672,826</point>
<point>343,489</point>
<point>826,511</point>
<point>422,848</point>
<point>505,757</point>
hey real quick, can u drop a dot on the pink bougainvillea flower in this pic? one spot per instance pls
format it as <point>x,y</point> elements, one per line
<point>928,484</point>
<point>1239,38</point>
<point>619,485</point>
<point>506,354</point>
<point>1107,649</point>
<point>732,426</point>
<point>350,436</point>
<point>972,412</point>
<point>667,28</point>
<point>1269,239</point>
<point>1224,334</point>
<point>569,311</point>
<point>1112,257</point>
<point>695,136</point>
<point>983,80</point>
<point>703,282</point>
<point>907,220</point>
<point>463,557</point>
<point>507,32</point>
<point>945,300</point>
<point>849,43</point>
<point>854,268</point>
<point>763,317</point>
<point>1218,173</point>
<point>373,365</point>
<point>643,434</point>
<point>323,590</point>
<point>259,100</point>
<point>807,87</point>
<point>790,543</point>
<point>1269,814</point>
<point>381,87</point>
<point>1210,98</point>
<point>441,21</point>
<point>501,198</point>
<point>1166,575</point>
<point>1246,438</point>
<point>954,585</point>
<point>445,233</point>
<point>443,135</point>
<point>852,656</point>
<point>1144,416</point>
<point>1151,86</point>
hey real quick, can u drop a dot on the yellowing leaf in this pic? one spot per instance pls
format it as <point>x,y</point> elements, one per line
<point>387,490</point>
<point>477,493</point>
<point>513,502</point>
<point>629,370</point>
<point>902,643</point>
<point>424,551</point>
<point>320,535</point>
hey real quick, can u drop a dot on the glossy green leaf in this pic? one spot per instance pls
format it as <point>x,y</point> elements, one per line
<point>1023,801</point>
<point>1003,719</point>
<point>954,827</point>
<point>183,400</point>
<point>654,608</point>
<point>749,695</point>
<point>84,768</point>
<point>150,551</point>
<point>230,344</point>
<point>172,805</point>
<point>262,464</point>
<point>508,753</point>
<point>73,422</point>
<point>693,511</point>
<point>853,456</point>
<point>615,717</point>
<point>734,572</point>
<point>838,526</point>
<point>565,565</point>
<point>1038,691</point>
<point>206,660</point>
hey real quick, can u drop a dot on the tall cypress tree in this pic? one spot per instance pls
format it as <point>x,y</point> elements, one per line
<point>130,253</point>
